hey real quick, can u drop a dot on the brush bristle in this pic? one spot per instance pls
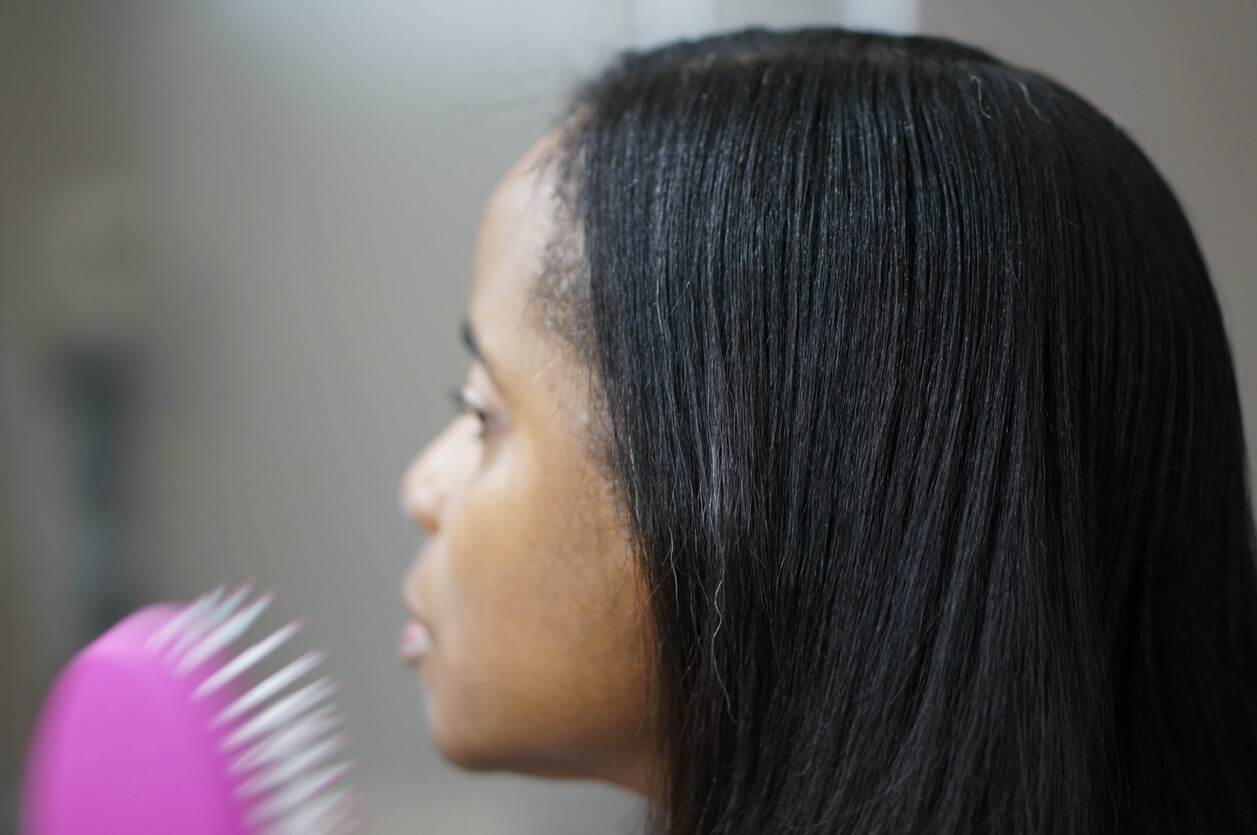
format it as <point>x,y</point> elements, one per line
<point>283,735</point>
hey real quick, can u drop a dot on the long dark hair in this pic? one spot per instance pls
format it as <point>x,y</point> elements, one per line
<point>920,409</point>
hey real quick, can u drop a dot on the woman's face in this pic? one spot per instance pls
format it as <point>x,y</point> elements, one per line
<point>528,629</point>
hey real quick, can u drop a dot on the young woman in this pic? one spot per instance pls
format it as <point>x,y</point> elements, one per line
<point>851,445</point>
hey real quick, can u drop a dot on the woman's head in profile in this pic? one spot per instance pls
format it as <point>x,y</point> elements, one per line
<point>851,445</point>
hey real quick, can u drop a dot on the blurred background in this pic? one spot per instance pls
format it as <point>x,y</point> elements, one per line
<point>235,247</point>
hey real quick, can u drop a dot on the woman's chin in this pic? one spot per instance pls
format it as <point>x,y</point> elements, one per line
<point>457,744</point>
<point>481,755</point>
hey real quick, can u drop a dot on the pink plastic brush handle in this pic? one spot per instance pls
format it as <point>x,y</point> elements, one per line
<point>122,747</point>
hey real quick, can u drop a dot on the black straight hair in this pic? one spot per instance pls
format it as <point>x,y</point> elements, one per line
<point>922,417</point>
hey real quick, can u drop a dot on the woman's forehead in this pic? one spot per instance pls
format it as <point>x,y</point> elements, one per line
<point>517,224</point>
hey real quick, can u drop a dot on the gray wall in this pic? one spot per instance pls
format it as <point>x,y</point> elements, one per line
<point>267,210</point>
<point>1181,78</point>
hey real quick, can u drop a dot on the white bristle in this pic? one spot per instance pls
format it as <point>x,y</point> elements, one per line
<point>340,820</point>
<point>272,685</point>
<point>232,603</point>
<point>343,818</point>
<point>331,812</point>
<point>328,813</point>
<point>281,712</point>
<point>158,640</point>
<point>247,659</point>
<point>222,636</point>
<point>289,735</point>
<point>342,813</point>
<point>287,769</point>
<point>206,621</point>
<point>292,738</point>
<point>292,796</point>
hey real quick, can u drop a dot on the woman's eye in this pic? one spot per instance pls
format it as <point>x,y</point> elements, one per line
<point>464,405</point>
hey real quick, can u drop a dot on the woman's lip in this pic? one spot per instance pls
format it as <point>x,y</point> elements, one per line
<point>416,642</point>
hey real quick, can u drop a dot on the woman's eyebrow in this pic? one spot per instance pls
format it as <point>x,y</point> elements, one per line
<point>473,347</point>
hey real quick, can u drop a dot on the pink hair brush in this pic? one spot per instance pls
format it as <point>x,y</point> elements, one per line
<point>150,730</point>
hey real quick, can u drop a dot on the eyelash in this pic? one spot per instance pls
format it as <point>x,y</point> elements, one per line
<point>464,406</point>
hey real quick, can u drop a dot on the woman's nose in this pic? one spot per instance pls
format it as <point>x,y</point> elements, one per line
<point>433,476</point>
<point>424,489</point>
<point>420,498</point>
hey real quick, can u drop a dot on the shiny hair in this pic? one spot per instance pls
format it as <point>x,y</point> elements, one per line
<point>923,424</point>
